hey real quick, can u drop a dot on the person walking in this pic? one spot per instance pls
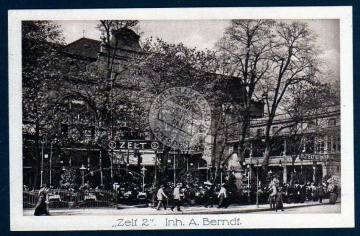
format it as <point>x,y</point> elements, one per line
<point>222,196</point>
<point>160,197</point>
<point>177,198</point>
<point>209,196</point>
<point>272,196</point>
<point>41,207</point>
<point>321,192</point>
<point>279,200</point>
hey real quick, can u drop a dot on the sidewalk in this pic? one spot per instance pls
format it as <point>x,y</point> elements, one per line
<point>133,210</point>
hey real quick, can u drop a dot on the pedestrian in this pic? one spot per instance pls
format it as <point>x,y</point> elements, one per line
<point>177,198</point>
<point>41,207</point>
<point>222,196</point>
<point>334,194</point>
<point>160,197</point>
<point>279,200</point>
<point>209,196</point>
<point>321,193</point>
<point>272,195</point>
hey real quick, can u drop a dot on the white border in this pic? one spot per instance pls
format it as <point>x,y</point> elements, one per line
<point>345,219</point>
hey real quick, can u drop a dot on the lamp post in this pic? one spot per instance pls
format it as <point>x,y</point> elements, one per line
<point>174,170</point>
<point>116,187</point>
<point>208,171</point>
<point>257,183</point>
<point>143,169</point>
<point>221,175</point>
<point>270,174</point>
<point>248,184</point>
<point>155,175</point>
<point>42,161</point>
<point>82,171</point>
<point>51,154</point>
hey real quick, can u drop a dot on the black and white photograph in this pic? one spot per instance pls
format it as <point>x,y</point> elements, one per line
<point>181,118</point>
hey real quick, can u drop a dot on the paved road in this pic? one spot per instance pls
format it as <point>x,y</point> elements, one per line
<point>323,209</point>
<point>309,207</point>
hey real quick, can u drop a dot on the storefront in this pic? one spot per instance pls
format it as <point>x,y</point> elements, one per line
<point>313,168</point>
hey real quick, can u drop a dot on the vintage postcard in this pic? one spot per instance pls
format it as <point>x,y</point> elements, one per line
<point>207,118</point>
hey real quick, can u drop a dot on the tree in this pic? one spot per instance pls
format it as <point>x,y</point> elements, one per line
<point>293,62</point>
<point>244,53</point>
<point>268,58</point>
<point>169,65</point>
<point>41,41</point>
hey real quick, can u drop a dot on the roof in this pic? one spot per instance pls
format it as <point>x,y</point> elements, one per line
<point>126,39</point>
<point>84,47</point>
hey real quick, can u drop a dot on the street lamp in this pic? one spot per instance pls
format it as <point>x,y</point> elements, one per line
<point>257,183</point>
<point>143,169</point>
<point>174,171</point>
<point>82,170</point>
<point>221,175</point>
<point>51,155</point>
<point>270,174</point>
<point>248,185</point>
<point>42,161</point>
<point>208,172</point>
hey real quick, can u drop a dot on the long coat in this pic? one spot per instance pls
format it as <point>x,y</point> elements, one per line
<point>161,194</point>
<point>41,206</point>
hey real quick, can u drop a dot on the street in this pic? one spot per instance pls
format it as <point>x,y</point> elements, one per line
<point>308,207</point>
<point>322,209</point>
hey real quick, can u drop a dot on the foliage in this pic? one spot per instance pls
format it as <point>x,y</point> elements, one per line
<point>269,58</point>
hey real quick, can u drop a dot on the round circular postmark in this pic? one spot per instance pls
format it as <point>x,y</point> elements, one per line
<point>180,118</point>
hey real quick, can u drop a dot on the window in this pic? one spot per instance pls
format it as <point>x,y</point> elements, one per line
<point>311,124</point>
<point>320,147</point>
<point>260,132</point>
<point>331,122</point>
<point>274,129</point>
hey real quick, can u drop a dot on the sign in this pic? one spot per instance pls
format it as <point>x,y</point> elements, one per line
<point>112,145</point>
<point>134,145</point>
<point>148,159</point>
<point>155,145</point>
<point>314,157</point>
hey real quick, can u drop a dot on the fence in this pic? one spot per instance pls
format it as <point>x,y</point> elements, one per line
<point>60,198</point>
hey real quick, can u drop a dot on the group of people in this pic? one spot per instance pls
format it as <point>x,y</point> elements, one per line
<point>178,196</point>
<point>297,193</point>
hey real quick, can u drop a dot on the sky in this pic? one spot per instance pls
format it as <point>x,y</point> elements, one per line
<point>205,33</point>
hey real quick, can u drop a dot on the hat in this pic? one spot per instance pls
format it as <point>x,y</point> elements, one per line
<point>161,186</point>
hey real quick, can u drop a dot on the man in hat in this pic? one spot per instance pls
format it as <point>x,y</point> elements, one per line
<point>209,195</point>
<point>160,196</point>
<point>222,196</point>
<point>177,197</point>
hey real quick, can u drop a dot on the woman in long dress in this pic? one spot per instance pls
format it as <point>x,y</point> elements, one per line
<point>41,206</point>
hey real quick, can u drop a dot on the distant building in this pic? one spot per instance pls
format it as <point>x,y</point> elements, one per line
<point>311,154</point>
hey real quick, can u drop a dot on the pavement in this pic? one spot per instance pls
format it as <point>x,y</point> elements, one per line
<point>188,210</point>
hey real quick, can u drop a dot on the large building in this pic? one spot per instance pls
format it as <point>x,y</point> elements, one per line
<point>312,154</point>
<point>81,133</point>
